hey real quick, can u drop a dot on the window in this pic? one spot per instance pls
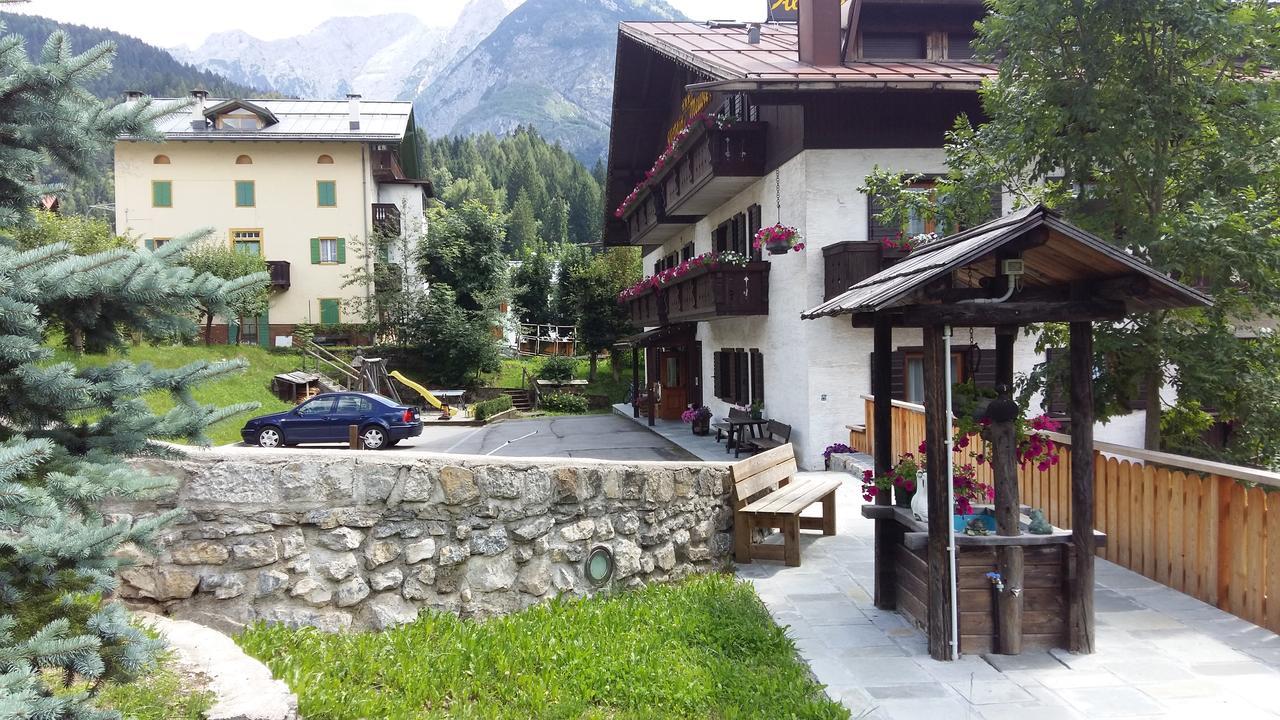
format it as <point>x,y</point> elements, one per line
<point>739,375</point>
<point>353,405</point>
<point>324,160</point>
<point>162,193</point>
<point>248,242</point>
<point>244,160</point>
<point>686,252</point>
<point>731,236</point>
<point>960,46</point>
<point>161,160</point>
<point>155,243</point>
<point>915,374</point>
<point>907,370</point>
<point>330,311</point>
<point>239,122</point>
<point>326,251</point>
<point>326,193</point>
<point>245,193</point>
<point>897,46</point>
<point>319,406</point>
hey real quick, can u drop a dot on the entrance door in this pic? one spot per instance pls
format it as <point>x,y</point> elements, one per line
<point>673,373</point>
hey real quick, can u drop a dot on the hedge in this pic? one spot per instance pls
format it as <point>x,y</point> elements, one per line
<point>564,402</point>
<point>488,408</point>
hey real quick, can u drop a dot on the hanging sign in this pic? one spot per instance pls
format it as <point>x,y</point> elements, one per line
<point>787,11</point>
<point>691,105</point>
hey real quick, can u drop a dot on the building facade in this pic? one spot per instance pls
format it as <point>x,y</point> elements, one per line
<point>305,184</point>
<point>720,129</point>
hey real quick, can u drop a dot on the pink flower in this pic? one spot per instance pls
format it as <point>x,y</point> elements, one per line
<point>798,247</point>
<point>868,475</point>
<point>923,447</point>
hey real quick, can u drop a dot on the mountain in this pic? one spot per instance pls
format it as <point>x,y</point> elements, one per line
<point>382,56</point>
<point>548,64</point>
<point>138,66</point>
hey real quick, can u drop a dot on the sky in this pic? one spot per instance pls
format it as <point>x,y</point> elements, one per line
<point>168,24</point>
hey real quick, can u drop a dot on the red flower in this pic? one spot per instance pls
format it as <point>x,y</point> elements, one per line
<point>923,448</point>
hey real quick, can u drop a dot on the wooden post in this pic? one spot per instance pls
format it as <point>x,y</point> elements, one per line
<point>886,589</point>
<point>353,436</point>
<point>1080,619</point>
<point>1003,436</point>
<point>653,402</point>
<point>635,382</point>
<point>937,433</point>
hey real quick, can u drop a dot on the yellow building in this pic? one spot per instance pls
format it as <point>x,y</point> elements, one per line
<point>301,182</point>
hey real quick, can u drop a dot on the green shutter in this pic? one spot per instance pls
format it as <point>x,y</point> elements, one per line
<point>315,251</point>
<point>264,329</point>
<point>342,250</point>
<point>149,243</point>
<point>326,193</point>
<point>329,314</point>
<point>233,332</point>
<point>244,193</point>
<point>161,193</point>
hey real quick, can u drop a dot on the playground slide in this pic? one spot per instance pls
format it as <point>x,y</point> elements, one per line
<point>435,402</point>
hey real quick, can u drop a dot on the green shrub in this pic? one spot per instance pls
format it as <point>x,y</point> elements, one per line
<point>702,648</point>
<point>564,402</point>
<point>558,369</point>
<point>488,408</point>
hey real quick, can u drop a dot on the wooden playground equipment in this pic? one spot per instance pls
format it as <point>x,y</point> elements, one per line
<point>547,340</point>
<point>371,375</point>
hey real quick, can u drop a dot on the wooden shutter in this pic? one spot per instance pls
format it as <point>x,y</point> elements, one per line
<point>233,332</point>
<point>717,374</point>
<point>244,193</point>
<point>315,251</point>
<point>329,312</point>
<point>721,236</point>
<point>149,243</point>
<point>753,227</point>
<point>876,230</point>
<point>342,250</point>
<point>326,193</point>
<point>757,375</point>
<point>161,193</point>
<point>740,243</point>
<point>264,329</point>
<point>897,375</point>
<point>742,376</point>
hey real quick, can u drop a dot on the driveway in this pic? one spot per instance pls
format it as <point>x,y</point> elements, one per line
<point>603,437</point>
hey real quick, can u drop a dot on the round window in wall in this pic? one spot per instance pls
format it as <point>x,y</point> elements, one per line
<point>599,567</point>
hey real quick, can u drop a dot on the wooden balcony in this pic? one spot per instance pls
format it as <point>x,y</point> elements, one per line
<point>718,164</point>
<point>705,295</point>
<point>648,223</point>
<point>279,272</point>
<point>386,219</point>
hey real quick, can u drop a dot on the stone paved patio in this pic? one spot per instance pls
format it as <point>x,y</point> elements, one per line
<point>1161,653</point>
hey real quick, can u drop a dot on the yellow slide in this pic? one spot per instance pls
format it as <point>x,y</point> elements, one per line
<point>435,402</point>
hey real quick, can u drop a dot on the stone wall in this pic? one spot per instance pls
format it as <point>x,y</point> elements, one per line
<point>338,539</point>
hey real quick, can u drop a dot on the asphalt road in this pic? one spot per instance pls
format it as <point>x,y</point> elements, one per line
<point>603,437</point>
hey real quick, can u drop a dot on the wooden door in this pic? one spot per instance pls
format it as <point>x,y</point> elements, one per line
<point>673,374</point>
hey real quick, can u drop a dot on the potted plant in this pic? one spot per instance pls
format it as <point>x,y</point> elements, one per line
<point>834,449</point>
<point>757,410</point>
<point>900,480</point>
<point>778,239</point>
<point>699,416</point>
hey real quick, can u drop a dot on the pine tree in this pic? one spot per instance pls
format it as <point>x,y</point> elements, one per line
<point>64,432</point>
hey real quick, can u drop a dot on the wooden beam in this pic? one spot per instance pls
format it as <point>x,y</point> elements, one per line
<point>1080,616</point>
<point>887,531</point>
<point>635,382</point>
<point>936,436</point>
<point>1008,313</point>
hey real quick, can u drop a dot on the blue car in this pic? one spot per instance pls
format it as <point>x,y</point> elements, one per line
<point>327,418</point>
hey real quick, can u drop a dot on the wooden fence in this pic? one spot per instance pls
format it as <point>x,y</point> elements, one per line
<point>1207,529</point>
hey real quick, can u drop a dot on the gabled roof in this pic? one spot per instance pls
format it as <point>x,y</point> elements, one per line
<point>296,120</point>
<point>1067,255</point>
<point>723,53</point>
<point>229,106</point>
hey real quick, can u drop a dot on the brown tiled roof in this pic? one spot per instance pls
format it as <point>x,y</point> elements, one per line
<point>724,53</point>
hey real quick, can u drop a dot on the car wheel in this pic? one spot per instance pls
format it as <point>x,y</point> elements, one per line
<point>270,437</point>
<point>374,438</point>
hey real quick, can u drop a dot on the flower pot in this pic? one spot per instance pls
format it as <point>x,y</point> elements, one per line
<point>779,248</point>
<point>757,414</point>
<point>702,427</point>
<point>903,498</point>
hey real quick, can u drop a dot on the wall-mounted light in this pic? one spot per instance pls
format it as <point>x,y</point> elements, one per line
<point>599,565</point>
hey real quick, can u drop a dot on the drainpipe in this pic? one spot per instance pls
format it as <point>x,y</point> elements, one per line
<point>951,497</point>
<point>366,215</point>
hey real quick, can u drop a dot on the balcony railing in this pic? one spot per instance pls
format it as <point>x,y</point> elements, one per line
<point>706,294</point>
<point>279,272</point>
<point>719,164</point>
<point>386,219</point>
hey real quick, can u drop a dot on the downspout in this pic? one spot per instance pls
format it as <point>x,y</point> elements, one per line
<point>366,220</point>
<point>951,498</point>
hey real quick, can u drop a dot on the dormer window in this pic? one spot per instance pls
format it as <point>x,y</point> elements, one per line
<point>239,121</point>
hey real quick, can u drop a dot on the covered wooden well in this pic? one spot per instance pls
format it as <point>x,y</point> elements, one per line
<point>1025,268</point>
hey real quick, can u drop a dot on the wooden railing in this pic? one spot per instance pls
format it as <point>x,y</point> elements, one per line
<point>705,294</point>
<point>279,272</point>
<point>1207,529</point>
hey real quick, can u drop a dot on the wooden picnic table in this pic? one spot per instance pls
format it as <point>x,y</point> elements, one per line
<point>737,425</point>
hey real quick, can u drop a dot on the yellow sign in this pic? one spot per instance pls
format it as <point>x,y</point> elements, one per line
<point>691,105</point>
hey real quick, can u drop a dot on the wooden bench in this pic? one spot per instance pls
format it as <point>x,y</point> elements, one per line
<point>776,435</point>
<point>723,428</point>
<point>768,493</point>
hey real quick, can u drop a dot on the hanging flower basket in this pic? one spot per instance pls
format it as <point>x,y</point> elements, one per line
<point>778,239</point>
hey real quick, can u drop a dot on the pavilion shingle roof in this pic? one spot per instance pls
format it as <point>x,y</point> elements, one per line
<point>724,53</point>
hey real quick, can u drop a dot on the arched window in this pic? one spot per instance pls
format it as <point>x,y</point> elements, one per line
<point>161,160</point>
<point>324,160</point>
<point>244,160</point>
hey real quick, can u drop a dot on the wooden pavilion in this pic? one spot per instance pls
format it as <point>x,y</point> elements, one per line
<point>1028,267</point>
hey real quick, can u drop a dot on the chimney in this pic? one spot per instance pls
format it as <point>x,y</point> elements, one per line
<point>753,34</point>
<point>353,111</point>
<point>132,95</point>
<point>819,32</point>
<point>198,121</point>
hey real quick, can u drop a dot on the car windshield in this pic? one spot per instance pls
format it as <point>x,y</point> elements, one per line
<point>319,406</point>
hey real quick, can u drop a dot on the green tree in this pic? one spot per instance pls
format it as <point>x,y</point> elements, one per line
<point>463,249</point>
<point>574,260</point>
<point>523,228</point>
<point>456,344</point>
<point>85,235</point>
<point>602,320</point>
<point>1152,123</point>
<point>532,286</point>
<point>218,260</point>
<point>64,432</point>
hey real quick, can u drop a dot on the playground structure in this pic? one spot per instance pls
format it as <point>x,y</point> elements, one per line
<point>532,340</point>
<point>370,375</point>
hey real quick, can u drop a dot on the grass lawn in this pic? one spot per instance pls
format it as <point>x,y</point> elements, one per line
<point>162,695</point>
<point>509,376</point>
<point>250,385</point>
<point>702,648</point>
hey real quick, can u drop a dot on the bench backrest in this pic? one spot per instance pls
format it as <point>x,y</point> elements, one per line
<point>780,431</point>
<point>762,473</point>
<point>736,414</point>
